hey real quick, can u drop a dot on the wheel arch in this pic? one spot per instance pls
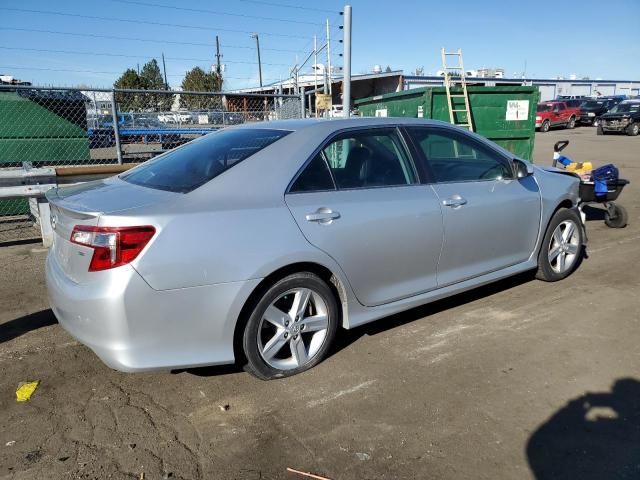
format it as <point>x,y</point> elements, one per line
<point>333,281</point>
<point>564,203</point>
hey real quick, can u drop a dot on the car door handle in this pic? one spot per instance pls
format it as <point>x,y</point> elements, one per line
<point>454,201</point>
<point>323,215</point>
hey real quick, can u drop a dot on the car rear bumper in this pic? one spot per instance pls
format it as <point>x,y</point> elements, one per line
<point>132,327</point>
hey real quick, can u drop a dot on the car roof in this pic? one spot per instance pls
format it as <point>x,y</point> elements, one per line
<point>338,123</point>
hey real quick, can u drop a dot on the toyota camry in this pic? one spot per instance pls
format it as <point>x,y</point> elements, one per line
<point>260,243</point>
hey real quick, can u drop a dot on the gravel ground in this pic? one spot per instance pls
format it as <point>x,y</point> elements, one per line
<point>520,379</point>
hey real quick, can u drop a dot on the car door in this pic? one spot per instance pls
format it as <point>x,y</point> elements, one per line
<point>491,219</point>
<point>562,114</point>
<point>359,199</point>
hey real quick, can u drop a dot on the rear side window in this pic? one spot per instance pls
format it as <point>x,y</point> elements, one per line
<point>369,158</point>
<point>194,164</point>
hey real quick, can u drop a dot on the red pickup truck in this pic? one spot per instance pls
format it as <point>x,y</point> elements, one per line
<point>556,114</point>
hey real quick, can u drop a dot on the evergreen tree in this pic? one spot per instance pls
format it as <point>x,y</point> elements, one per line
<point>129,102</point>
<point>197,80</point>
<point>151,79</point>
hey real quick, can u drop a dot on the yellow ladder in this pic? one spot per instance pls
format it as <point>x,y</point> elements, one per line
<point>449,83</point>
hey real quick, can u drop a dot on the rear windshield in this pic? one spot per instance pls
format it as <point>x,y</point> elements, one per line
<point>544,107</point>
<point>195,163</point>
<point>592,104</point>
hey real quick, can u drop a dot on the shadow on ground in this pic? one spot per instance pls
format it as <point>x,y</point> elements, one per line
<point>19,326</point>
<point>594,213</point>
<point>347,337</point>
<point>595,436</point>
<point>344,338</point>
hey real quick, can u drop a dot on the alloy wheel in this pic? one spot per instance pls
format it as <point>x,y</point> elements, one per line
<point>564,247</point>
<point>293,329</point>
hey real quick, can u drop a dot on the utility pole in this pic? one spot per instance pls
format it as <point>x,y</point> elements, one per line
<point>315,73</point>
<point>329,55</point>
<point>255,35</point>
<point>346,75</point>
<point>218,66</point>
<point>164,68</point>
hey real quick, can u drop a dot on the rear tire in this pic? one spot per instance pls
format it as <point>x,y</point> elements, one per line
<point>281,339</point>
<point>546,125</point>
<point>561,249</point>
<point>633,129</point>
<point>572,123</point>
<point>619,219</point>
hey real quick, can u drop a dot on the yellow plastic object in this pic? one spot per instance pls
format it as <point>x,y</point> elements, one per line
<point>579,167</point>
<point>25,390</point>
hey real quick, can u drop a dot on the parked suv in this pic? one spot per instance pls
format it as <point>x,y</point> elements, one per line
<point>624,117</point>
<point>592,109</point>
<point>556,114</point>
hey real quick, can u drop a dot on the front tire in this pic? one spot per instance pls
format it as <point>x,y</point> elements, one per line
<point>633,129</point>
<point>572,123</point>
<point>600,130</point>
<point>561,249</point>
<point>291,327</point>
<point>546,125</point>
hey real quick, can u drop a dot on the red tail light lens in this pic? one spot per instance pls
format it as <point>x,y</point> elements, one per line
<point>112,246</point>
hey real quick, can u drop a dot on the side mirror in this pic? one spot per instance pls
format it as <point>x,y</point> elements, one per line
<point>523,169</point>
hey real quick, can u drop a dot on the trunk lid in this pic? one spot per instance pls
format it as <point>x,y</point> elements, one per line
<point>106,196</point>
<point>84,204</point>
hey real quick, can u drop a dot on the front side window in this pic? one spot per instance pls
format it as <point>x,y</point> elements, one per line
<point>369,158</point>
<point>195,163</point>
<point>454,157</point>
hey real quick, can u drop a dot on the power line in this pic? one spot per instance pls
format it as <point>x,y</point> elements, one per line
<point>215,12</point>
<point>283,5</point>
<point>113,37</point>
<point>104,54</point>
<point>9,67</point>
<point>160,24</point>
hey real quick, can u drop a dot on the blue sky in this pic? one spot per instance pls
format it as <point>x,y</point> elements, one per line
<point>553,38</point>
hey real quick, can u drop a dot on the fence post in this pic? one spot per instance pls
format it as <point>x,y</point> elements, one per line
<point>116,127</point>
<point>302,108</point>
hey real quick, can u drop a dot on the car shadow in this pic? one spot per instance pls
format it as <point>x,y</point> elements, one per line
<point>595,436</point>
<point>211,371</point>
<point>19,326</point>
<point>594,213</point>
<point>347,337</point>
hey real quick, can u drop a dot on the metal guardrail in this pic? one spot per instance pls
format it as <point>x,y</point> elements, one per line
<point>50,127</point>
<point>31,184</point>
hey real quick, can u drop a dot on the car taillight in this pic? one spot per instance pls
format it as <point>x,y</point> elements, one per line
<point>112,246</point>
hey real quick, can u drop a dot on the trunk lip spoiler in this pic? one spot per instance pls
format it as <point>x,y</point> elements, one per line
<point>58,202</point>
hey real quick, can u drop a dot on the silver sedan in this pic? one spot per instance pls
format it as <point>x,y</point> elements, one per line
<point>257,243</point>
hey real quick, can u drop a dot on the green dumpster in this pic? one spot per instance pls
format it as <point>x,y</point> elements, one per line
<point>44,127</point>
<point>506,115</point>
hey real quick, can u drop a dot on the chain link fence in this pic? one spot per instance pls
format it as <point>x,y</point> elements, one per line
<point>57,127</point>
